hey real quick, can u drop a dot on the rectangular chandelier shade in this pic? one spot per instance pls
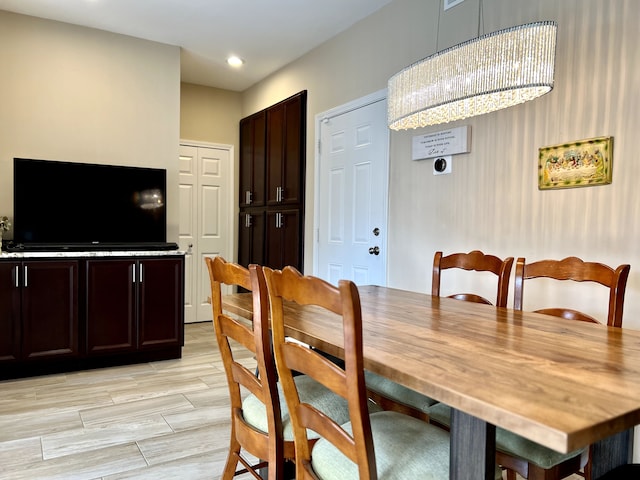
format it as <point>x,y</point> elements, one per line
<point>488,73</point>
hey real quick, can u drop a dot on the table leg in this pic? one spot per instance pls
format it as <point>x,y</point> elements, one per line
<point>473,448</point>
<point>611,452</point>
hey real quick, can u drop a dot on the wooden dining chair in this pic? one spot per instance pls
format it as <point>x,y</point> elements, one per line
<point>576,270</point>
<point>478,262</point>
<point>392,396</point>
<point>530,459</point>
<point>261,438</point>
<point>260,421</point>
<point>379,445</point>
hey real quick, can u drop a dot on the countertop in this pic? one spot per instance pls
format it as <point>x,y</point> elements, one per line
<point>85,254</point>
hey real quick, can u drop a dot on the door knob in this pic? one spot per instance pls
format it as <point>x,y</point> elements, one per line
<point>374,250</point>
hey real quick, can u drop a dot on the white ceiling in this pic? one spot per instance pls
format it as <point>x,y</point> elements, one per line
<point>267,34</point>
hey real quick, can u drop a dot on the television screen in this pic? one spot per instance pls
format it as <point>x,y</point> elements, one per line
<point>79,204</point>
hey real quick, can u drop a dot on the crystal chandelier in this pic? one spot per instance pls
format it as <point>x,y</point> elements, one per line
<point>488,73</point>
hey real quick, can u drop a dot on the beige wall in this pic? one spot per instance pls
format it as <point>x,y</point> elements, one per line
<point>209,114</point>
<point>491,200</point>
<point>84,95</point>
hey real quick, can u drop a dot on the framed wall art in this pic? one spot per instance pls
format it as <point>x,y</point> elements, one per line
<point>578,164</point>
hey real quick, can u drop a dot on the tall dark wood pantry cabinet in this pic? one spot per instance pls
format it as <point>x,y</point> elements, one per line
<point>272,169</point>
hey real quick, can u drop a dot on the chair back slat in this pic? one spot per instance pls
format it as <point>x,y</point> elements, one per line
<point>300,358</point>
<point>232,328</point>
<point>246,378</point>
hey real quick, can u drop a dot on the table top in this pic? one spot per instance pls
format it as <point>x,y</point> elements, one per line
<point>562,383</point>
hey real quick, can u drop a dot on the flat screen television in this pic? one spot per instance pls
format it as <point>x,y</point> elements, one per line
<point>68,205</point>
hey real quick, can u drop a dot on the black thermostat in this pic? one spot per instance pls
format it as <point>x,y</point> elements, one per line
<point>440,165</point>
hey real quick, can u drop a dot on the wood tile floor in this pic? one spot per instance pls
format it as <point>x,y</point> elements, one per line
<point>159,420</point>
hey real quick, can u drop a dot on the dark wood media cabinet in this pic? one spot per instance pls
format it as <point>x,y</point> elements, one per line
<point>73,311</point>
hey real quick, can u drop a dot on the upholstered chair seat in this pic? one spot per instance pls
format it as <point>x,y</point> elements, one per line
<point>395,437</point>
<point>311,392</point>
<point>399,393</point>
<point>511,443</point>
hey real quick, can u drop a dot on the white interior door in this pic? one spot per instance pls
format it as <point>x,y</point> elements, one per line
<point>351,204</point>
<point>206,227</point>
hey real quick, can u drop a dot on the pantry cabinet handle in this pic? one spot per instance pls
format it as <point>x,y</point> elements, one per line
<point>17,276</point>
<point>26,282</point>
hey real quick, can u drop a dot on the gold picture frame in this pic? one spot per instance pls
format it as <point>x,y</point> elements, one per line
<point>578,164</point>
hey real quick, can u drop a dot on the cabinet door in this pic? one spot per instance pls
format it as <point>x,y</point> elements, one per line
<point>49,309</point>
<point>285,151</point>
<point>283,245</point>
<point>252,160</point>
<point>161,302</point>
<point>9,311</point>
<point>251,237</point>
<point>110,306</point>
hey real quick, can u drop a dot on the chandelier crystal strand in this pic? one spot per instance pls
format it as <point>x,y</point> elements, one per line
<point>483,75</point>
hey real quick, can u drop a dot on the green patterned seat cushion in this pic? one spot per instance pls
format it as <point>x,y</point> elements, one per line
<point>405,448</point>
<point>533,452</point>
<point>511,443</point>
<point>397,392</point>
<point>310,391</point>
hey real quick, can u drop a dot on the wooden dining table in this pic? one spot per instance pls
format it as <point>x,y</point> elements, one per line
<point>564,384</point>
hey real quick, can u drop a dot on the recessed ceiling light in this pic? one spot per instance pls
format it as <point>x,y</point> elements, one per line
<point>235,61</point>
